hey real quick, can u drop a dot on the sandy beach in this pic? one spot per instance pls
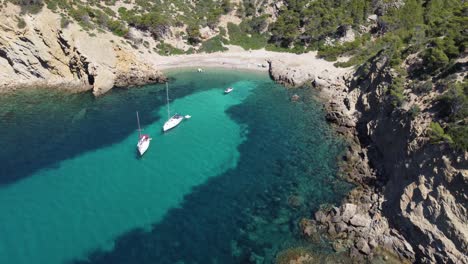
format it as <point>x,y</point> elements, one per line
<point>236,58</point>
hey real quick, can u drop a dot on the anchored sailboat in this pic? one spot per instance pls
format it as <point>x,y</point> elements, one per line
<point>143,140</point>
<point>175,119</point>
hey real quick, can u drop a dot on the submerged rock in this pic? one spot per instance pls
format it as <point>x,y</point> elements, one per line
<point>295,98</point>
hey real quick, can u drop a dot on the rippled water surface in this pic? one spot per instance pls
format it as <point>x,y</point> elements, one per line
<point>228,185</point>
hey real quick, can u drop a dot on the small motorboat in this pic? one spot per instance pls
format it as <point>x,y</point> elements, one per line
<point>228,90</point>
<point>188,116</point>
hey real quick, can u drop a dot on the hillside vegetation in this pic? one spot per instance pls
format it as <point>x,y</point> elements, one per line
<point>426,40</point>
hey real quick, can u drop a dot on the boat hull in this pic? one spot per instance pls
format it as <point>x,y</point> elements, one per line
<point>143,145</point>
<point>172,122</point>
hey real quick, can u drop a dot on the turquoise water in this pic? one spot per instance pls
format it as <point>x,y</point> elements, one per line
<point>216,189</point>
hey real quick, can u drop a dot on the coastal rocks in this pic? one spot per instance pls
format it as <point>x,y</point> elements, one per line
<point>286,75</point>
<point>42,54</point>
<point>352,227</point>
<point>363,246</point>
<point>348,210</point>
<point>360,221</point>
<point>298,71</point>
<point>420,183</point>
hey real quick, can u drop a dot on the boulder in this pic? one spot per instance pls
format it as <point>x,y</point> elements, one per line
<point>336,219</point>
<point>321,217</point>
<point>332,230</point>
<point>341,227</point>
<point>363,247</point>
<point>360,220</point>
<point>318,83</point>
<point>372,243</point>
<point>347,211</point>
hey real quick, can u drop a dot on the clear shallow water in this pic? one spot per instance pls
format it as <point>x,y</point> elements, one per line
<point>216,189</point>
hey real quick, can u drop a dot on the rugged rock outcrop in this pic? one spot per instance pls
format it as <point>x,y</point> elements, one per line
<point>43,54</point>
<point>299,73</point>
<point>286,75</point>
<point>425,184</point>
<point>411,196</point>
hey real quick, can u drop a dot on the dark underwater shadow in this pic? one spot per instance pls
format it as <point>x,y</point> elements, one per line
<point>38,136</point>
<point>221,217</point>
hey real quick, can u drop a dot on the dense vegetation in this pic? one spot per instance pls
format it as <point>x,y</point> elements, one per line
<point>432,33</point>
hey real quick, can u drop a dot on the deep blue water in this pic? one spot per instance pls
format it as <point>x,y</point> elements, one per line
<point>217,189</point>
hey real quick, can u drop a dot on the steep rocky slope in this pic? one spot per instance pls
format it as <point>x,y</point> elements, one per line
<point>411,194</point>
<point>424,184</point>
<point>43,54</point>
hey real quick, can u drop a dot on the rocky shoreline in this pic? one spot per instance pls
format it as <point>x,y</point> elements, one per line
<point>357,226</point>
<point>410,197</point>
<point>366,224</point>
<point>45,54</point>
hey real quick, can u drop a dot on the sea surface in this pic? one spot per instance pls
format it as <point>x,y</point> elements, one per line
<point>229,185</point>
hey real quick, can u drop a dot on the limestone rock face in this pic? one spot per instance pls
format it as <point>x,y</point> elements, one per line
<point>287,75</point>
<point>296,72</point>
<point>413,200</point>
<point>45,54</point>
<point>426,184</point>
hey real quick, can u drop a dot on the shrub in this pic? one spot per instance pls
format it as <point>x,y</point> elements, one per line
<point>64,22</point>
<point>424,87</point>
<point>331,53</point>
<point>213,45</point>
<point>454,102</point>
<point>29,6</point>
<point>222,32</point>
<point>258,24</point>
<point>434,59</point>
<point>286,28</point>
<point>414,111</point>
<point>459,135</point>
<point>396,91</point>
<point>117,27</point>
<point>21,23</point>
<point>166,49</point>
<point>193,33</point>
<point>240,37</point>
<point>437,134</point>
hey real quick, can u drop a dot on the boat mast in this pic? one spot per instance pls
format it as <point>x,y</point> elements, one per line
<point>167,98</point>
<point>138,121</point>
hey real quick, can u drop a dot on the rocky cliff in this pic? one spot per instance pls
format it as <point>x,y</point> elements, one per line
<point>423,184</point>
<point>410,197</point>
<point>42,52</point>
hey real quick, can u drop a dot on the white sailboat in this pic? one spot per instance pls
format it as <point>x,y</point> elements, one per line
<point>143,140</point>
<point>175,119</point>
